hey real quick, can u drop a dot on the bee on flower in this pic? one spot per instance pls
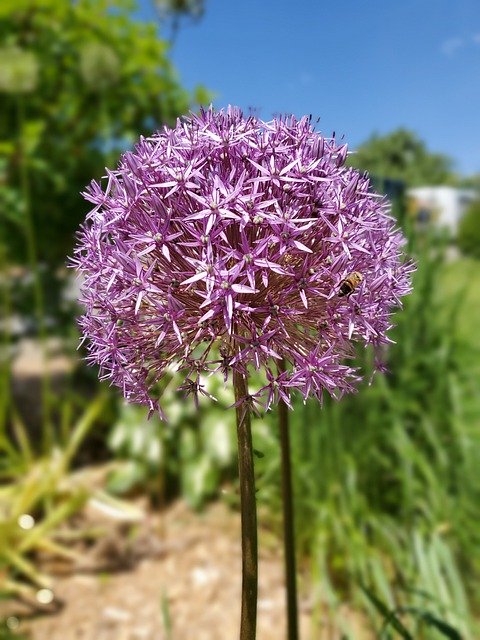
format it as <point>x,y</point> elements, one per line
<point>349,284</point>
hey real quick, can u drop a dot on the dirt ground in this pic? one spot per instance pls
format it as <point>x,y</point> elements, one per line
<point>178,577</point>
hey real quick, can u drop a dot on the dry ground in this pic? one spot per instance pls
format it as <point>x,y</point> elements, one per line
<point>191,563</point>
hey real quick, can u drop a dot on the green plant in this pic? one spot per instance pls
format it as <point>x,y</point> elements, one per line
<point>424,622</point>
<point>194,452</point>
<point>468,236</point>
<point>36,497</point>
<point>166,616</point>
<point>7,633</point>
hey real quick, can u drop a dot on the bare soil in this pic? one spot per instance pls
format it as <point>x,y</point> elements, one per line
<point>176,577</point>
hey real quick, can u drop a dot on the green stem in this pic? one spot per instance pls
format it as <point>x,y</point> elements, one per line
<point>248,509</point>
<point>288,518</point>
<point>5,342</point>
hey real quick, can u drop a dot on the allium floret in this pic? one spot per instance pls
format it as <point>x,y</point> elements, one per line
<point>222,245</point>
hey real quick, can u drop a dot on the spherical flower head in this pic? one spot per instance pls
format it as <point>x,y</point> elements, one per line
<point>229,243</point>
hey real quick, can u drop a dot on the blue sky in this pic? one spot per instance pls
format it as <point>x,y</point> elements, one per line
<point>362,66</point>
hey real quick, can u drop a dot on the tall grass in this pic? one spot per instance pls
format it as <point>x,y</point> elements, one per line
<point>387,483</point>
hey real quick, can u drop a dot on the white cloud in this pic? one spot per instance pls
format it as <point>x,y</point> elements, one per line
<point>450,46</point>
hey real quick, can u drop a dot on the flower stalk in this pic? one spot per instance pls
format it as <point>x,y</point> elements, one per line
<point>248,509</point>
<point>38,297</point>
<point>288,517</point>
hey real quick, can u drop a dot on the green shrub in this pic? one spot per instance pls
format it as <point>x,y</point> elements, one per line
<point>468,237</point>
<point>192,454</point>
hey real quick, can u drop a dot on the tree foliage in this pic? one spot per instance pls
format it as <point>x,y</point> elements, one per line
<point>468,238</point>
<point>79,81</point>
<point>402,155</point>
<point>471,182</point>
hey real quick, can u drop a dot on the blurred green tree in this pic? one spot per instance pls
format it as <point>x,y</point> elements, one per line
<point>468,236</point>
<point>401,155</point>
<point>79,81</point>
<point>471,182</point>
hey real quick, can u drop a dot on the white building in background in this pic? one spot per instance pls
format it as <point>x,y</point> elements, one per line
<point>442,205</point>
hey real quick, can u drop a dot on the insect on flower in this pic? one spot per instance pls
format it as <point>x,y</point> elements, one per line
<point>349,284</point>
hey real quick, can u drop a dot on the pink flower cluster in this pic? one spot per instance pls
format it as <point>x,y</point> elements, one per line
<point>224,244</point>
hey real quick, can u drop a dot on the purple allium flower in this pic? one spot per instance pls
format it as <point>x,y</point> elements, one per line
<point>230,243</point>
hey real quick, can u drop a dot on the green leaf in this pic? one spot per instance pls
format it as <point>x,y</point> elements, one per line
<point>128,475</point>
<point>447,630</point>
<point>433,621</point>
<point>390,618</point>
<point>199,480</point>
<point>166,616</point>
<point>32,135</point>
